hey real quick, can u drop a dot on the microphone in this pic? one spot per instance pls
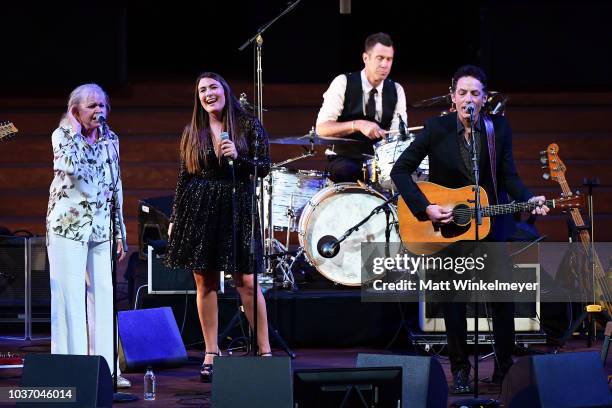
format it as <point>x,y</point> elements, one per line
<point>402,128</point>
<point>225,136</point>
<point>470,108</point>
<point>328,246</point>
<point>100,118</point>
<point>103,125</point>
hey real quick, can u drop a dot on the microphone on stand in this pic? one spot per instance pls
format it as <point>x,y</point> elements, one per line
<point>225,136</point>
<point>470,109</point>
<point>103,125</point>
<point>328,246</point>
<point>101,118</point>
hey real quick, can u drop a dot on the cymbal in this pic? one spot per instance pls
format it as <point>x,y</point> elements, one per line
<point>305,140</point>
<point>442,100</point>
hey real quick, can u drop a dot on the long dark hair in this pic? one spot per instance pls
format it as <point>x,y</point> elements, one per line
<point>196,138</point>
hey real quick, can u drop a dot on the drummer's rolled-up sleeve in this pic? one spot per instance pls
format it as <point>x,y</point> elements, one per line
<point>400,108</point>
<point>333,100</point>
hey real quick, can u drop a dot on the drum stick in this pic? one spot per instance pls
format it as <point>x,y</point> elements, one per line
<point>410,129</point>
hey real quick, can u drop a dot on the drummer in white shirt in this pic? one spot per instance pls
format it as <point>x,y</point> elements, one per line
<point>360,106</point>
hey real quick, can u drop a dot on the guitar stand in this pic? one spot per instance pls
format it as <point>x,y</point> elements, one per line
<point>591,312</point>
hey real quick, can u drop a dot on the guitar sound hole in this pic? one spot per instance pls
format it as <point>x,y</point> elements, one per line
<point>462,215</point>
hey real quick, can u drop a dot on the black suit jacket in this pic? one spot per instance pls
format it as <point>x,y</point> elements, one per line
<point>439,141</point>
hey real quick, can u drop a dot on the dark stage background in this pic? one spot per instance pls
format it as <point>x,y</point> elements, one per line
<point>523,45</point>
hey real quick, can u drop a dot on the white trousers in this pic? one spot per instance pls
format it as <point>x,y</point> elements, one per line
<point>81,298</point>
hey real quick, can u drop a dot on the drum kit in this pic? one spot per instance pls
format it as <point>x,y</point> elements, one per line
<point>308,203</point>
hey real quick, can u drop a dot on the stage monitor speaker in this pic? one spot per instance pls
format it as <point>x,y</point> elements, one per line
<point>423,380</point>
<point>252,382</point>
<point>150,337</point>
<point>526,315</point>
<point>153,220</point>
<point>88,375</point>
<point>348,387</point>
<point>557,381</point>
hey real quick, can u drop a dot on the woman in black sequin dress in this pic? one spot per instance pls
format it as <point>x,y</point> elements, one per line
<point>209,221</point>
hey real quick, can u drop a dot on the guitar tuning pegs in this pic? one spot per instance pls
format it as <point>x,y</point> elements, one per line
<point>543,153</point>
<point>543,159</point>
<point>546,176</point>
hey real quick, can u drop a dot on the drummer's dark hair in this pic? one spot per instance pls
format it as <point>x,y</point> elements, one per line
<point>469,71</point>
<point>376,38</point>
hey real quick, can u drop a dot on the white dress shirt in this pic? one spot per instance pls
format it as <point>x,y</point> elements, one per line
<point>333,100</point>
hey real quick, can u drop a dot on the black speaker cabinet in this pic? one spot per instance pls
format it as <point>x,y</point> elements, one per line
<point>423,380</point>
<point>557,381</point>
<point>252,382</point>
<point>88,375</point>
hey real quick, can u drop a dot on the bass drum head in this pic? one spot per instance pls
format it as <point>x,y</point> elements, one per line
<point>332,211</point>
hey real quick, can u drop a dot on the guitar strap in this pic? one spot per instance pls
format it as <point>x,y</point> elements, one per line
<point>492,156</point>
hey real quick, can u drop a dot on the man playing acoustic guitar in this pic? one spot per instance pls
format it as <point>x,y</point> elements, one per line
<point>447,142</point>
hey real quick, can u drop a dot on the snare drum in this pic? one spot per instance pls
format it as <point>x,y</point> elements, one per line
<point>387,151</point>
<point>291,190</point>
<point>332,211</point>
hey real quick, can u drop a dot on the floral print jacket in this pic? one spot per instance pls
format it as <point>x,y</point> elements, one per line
<point>80,193</point>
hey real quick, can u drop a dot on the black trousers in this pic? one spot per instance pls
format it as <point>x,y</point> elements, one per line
<point>456,333</point>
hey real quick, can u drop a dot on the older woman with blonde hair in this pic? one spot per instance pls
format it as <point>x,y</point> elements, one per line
<point>85,176</point>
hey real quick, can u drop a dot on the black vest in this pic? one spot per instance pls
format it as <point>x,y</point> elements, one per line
<point>353,110</point>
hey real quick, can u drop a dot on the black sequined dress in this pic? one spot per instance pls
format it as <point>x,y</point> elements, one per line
<point>202,236</point>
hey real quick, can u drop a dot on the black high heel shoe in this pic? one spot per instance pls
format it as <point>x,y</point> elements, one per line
<point>206,370</point>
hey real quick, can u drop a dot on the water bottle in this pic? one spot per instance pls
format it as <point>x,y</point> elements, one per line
<point>149,385</point>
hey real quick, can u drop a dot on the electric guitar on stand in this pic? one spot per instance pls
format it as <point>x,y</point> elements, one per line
<point>7,129</point>
<point>556,171</point>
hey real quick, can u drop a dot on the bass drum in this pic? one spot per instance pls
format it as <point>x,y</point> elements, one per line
<point>331,212</point>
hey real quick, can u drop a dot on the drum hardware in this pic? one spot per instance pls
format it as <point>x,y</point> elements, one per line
<point>329,214</point>
<point>386,153</point>
<point>442,100</point>
<point>309,153</point>
<point>328,246</point>
<point>495,103</point>
<point>316,140</point>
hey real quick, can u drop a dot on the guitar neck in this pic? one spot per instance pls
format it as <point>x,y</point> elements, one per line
<point>511,208</point>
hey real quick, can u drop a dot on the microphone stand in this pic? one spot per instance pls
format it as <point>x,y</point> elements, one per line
<point>117,396</point>
<point>254,345</point>
<point>258,74</point>
<point>475,402</point>
<point>335,244</point>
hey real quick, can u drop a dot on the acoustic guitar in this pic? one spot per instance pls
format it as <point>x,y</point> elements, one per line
<point>415,230</point>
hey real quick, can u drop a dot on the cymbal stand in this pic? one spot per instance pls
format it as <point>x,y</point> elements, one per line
<point>271,241</point>
<point>309,152</point>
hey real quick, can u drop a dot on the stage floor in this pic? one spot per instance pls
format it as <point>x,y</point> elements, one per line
<point>180,386</point>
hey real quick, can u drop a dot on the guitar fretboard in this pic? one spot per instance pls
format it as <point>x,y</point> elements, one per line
<point>500,209</point>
